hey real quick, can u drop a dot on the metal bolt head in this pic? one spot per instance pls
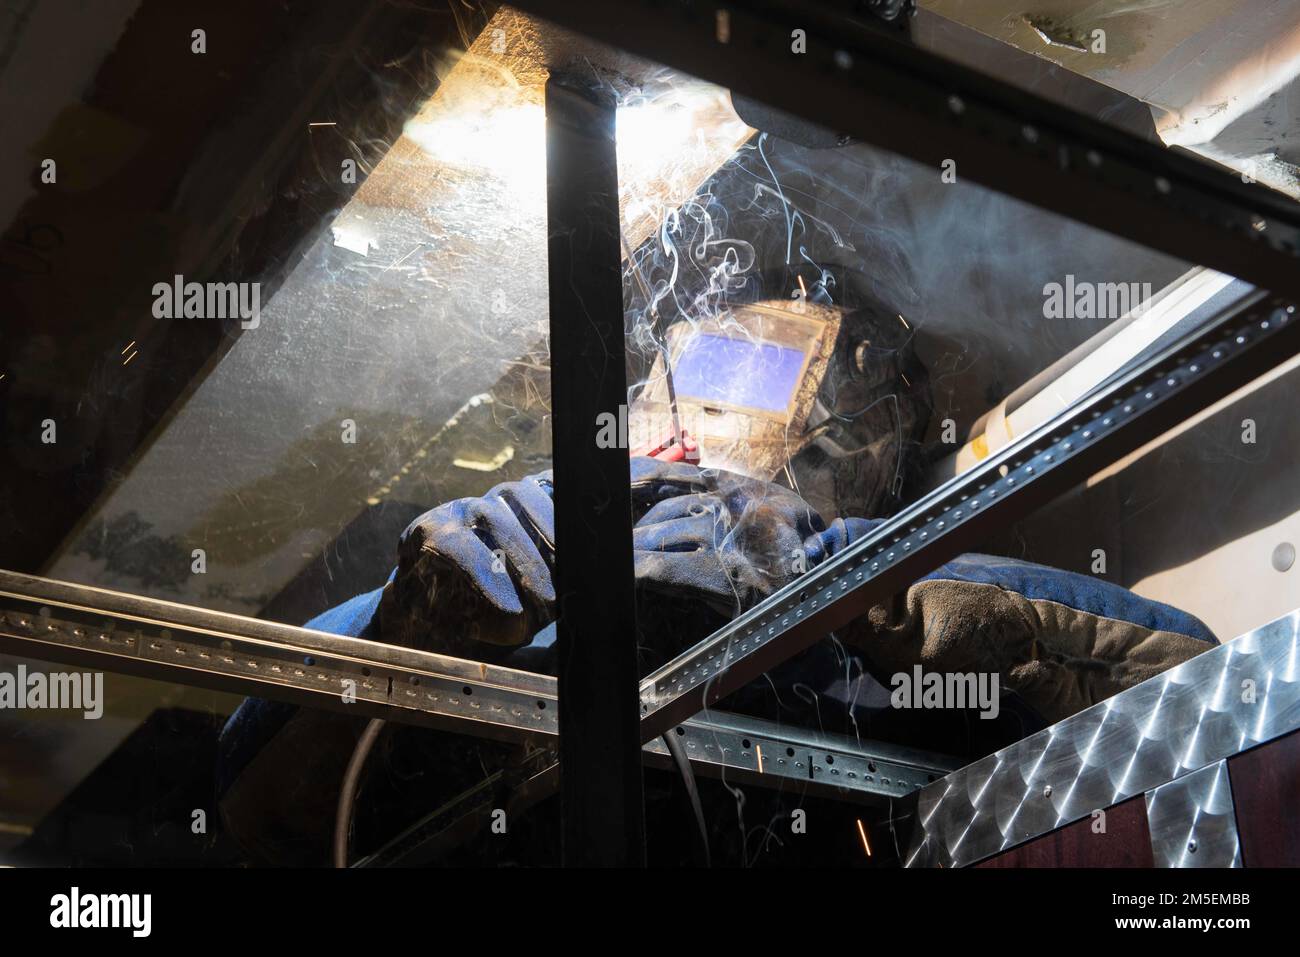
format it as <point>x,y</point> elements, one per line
<point>1047,790</point>
<point>1191,846</point>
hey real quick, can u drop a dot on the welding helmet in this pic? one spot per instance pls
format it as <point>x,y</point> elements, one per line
<point>825,396</point>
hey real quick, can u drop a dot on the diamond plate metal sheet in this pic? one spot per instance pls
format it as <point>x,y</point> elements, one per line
<point>1229,699</point>
<point>1193,820</point>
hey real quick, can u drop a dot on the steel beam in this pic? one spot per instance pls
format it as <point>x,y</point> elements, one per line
<point>97,628</point>
<point>603,813</point>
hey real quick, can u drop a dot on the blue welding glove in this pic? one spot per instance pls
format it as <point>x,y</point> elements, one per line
<point>475,571</point>
<point>1060,640</point>
<point>728,545</point>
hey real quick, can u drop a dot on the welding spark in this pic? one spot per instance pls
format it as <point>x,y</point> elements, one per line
<point>128,346</point>
<point>131,356</point>
<point>723,24</point>
<point>331,123</point>
<point>862,832</point>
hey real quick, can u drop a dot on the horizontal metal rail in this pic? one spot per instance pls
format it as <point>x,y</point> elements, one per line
<point>741,748</point>
<point>65,622</point>
<point>77,624</point>
<point>736,749</point>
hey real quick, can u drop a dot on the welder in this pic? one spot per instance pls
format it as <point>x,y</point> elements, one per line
<point>744,415</point>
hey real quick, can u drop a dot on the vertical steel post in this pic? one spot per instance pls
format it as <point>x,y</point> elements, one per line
<point>602,810</point>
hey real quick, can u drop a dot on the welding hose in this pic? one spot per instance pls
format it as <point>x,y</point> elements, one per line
<point>683,763</point>
<point>348,793</point>
<point>366,743</point>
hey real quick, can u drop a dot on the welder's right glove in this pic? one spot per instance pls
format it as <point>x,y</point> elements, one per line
<point>1060,640</point>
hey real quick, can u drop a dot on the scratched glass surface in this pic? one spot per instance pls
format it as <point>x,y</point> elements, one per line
<point>402,362</point>
<point>413,320</point>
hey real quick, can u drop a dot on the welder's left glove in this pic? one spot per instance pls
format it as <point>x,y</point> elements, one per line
<point>1059,640</point>
<point>730,544</point>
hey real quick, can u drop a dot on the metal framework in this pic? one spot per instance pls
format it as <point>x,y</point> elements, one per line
<point>93,627</point>
<point>66,622</point>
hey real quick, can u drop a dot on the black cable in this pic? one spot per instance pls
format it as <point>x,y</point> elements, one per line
<point>348,792</point>
<point>688,778</point>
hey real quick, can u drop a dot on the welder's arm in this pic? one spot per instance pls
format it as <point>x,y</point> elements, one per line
<point>1061,640</point>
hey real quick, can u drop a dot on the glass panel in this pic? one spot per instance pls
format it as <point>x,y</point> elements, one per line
<point>814,314</point>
